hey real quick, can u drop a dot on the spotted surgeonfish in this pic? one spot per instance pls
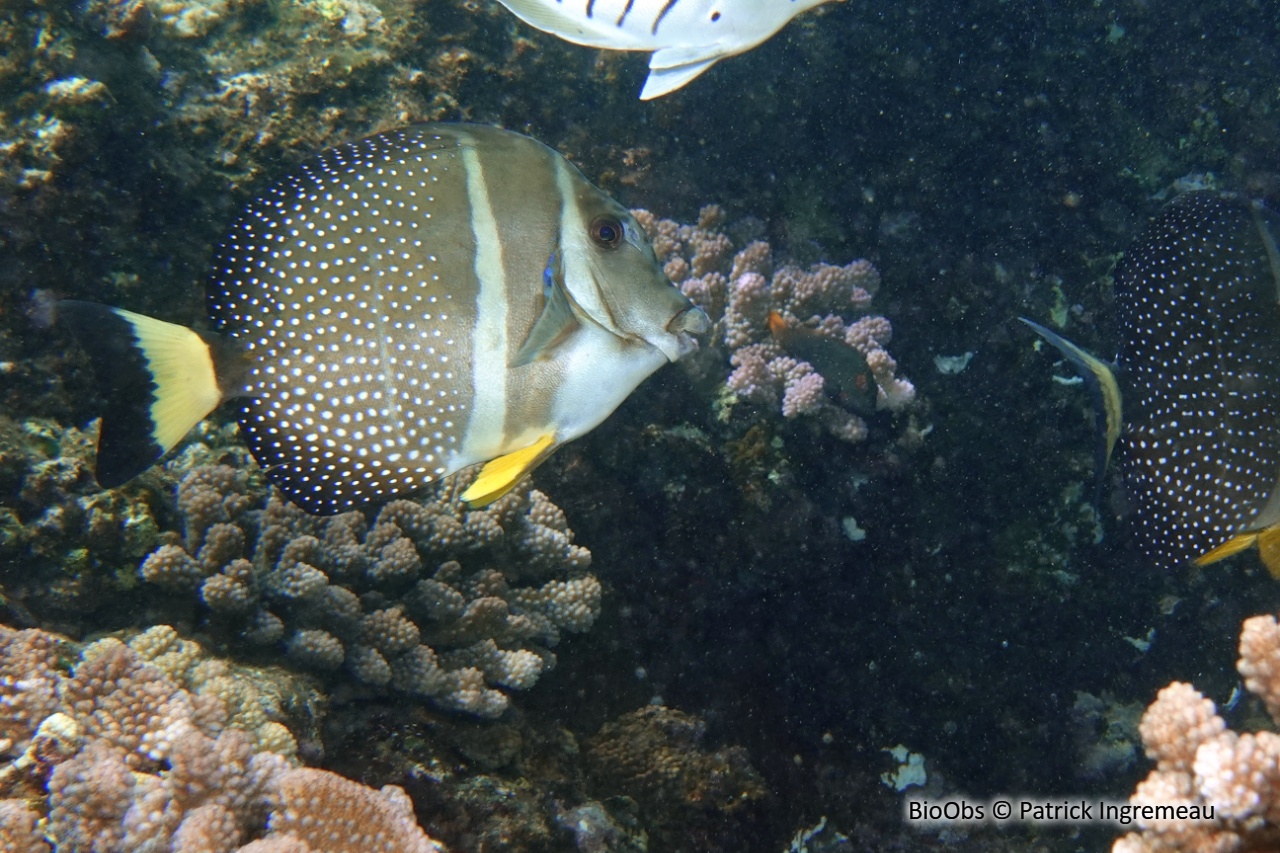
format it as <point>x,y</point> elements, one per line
<point>686,37</point>
<point>1198,296</point>
<point>397,309</point>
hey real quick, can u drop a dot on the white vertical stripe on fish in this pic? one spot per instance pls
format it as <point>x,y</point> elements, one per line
<point>371,304</point>
<point>574,248</point>
<point>489,346</point>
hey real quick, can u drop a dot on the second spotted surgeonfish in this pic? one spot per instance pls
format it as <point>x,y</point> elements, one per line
<point>1198,374</point>
<point>398,309</point>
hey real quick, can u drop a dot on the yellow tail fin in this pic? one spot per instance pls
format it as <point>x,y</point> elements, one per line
<point>161,381</point>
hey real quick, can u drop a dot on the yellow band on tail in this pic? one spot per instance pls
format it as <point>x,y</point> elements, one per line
<point>160,380</point>
<point>186,381</point>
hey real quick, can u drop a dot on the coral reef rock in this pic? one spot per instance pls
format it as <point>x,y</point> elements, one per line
<point>657,757</point>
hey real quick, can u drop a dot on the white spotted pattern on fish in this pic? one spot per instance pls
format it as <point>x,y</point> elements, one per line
<point>384,289</point>
<point>1200,360</point>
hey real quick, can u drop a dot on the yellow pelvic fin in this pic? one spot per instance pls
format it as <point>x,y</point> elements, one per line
<point>1234,545</point>
<point>499,476</point>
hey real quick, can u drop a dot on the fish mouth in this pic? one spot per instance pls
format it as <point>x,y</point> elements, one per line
<point>689,322</point>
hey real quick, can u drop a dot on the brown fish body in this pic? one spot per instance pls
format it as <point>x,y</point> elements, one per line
<point>424,300</point>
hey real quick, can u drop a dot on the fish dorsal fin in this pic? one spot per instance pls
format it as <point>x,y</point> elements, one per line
<point>668,71</point>
<point>556,322</point>
<point>1100,379</point>
<point>161,381</point>
<point>499,476</point>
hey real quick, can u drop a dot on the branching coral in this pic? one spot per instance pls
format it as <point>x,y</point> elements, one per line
<point>431,599</point>
<point>328,813</point>
<point>133,762</point>
<point>740,289</point>
<point>1200,762</point>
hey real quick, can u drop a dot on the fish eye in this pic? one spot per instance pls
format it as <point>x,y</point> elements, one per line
<point>606,232</point>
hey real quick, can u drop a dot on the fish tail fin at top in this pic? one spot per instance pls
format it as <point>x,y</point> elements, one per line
<point>160,380</point>
<point>1100,379</point>
<point>666,74</point>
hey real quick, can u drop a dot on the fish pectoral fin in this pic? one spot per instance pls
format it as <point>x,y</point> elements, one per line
<point>499,476</point>
<point>669,69</point>
<point>1234,545</point>
<point>556,322</point>
<point>681,55</point>
<point>161,378</point>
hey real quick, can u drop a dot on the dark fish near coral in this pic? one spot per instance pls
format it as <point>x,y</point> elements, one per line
<point>398,309</point>
<point>843,367</point>
<point>1198,296</point>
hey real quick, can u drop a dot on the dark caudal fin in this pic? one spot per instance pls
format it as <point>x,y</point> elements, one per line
<point>159,379</point>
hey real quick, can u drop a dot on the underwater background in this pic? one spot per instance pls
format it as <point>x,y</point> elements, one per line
<point>772,601</point>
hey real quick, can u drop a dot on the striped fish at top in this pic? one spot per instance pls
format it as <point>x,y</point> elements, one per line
<point>395,310</point>
<point>686,37</point>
